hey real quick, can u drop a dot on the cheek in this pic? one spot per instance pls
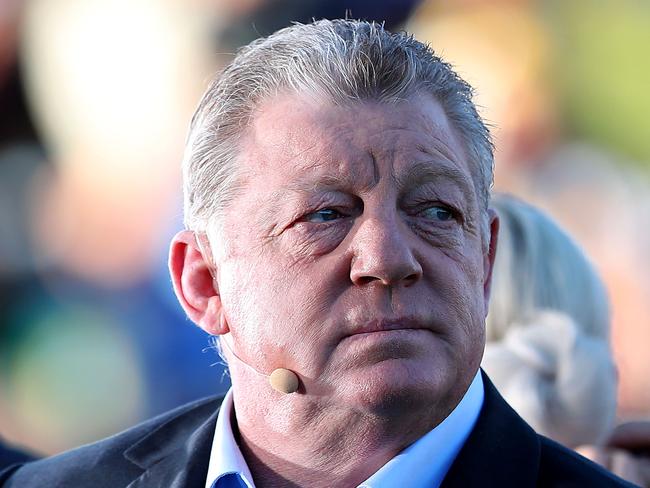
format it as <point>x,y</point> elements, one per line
<point>457,282</point>
<point>460,294</point>
<point>272,310</point>
<point>250,305</point>
<point>471,263</point>
<point>474,308</point>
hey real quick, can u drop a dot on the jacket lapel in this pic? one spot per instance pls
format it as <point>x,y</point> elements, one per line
<point>502,449</point>
<point>177,454</point>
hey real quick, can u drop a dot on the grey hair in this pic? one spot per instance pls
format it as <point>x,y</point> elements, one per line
<point>340,61</point>
<point>539,267</point>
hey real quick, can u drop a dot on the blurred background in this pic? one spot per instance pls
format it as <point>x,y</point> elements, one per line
<point>95,98</point>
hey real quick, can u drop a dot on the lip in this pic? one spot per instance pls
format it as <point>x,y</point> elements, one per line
<point>387,325</point>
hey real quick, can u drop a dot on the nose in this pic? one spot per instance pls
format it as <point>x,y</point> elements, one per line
<point>383,254</point>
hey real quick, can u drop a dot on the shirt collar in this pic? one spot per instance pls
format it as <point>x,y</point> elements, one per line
<point>426,462</point>
<point>226,457</point>
<point>423,463</point>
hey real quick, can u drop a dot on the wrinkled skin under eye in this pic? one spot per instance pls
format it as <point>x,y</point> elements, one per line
<point>439,225</point>
<point>318,232</point>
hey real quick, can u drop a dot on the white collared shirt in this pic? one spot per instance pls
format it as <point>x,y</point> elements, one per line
<point>423,464</point>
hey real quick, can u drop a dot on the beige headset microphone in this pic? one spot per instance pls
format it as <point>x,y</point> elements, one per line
<point>281,379</point>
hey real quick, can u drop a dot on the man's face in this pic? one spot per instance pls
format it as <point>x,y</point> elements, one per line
<point>354,254</point>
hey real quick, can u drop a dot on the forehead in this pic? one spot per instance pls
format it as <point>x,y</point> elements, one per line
<point>294,139</point>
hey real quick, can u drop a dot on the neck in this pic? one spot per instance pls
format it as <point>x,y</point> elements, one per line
<point>296,440</point>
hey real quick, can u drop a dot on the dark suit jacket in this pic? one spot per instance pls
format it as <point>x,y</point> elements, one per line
<point>9,456</point>
<point>173,450</point>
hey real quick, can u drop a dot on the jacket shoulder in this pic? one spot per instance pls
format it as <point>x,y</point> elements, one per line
<point>103,463</point>
<point>563,467</point>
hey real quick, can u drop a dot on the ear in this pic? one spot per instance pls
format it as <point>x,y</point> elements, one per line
<point>195,287</point>
<point>489,257</point>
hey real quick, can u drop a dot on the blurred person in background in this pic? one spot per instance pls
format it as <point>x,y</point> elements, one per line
<point>340,243</point>
<point>626,452</point>
<point>20,157</point>
<point>548,329</point>
<point>548,342</point>
<point>72,332</point>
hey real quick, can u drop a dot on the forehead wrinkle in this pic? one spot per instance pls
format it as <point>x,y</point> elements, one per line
<point>442,142</point>
<point>375,169</point>
<point>443,134</point>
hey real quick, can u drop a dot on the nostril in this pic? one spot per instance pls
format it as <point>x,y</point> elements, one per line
<point>411,279</point>
<point>369,278</point>
<point>364,280</point>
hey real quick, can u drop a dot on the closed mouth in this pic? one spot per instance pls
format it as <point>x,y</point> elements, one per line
<point>388,326</point>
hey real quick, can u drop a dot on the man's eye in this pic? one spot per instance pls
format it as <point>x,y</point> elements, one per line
<point>322,215</point>
<point>437,213</point>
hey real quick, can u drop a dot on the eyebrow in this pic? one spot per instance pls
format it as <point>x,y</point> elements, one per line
<point>306,187</point>
<point>325,182</point>
<point>419,171</point>
<point>425,171</point>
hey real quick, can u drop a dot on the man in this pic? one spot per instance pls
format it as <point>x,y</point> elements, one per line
<point>340,245</point>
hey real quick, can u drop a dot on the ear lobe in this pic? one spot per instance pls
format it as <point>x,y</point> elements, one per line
<point>194,285</point>
<point>490,256</point>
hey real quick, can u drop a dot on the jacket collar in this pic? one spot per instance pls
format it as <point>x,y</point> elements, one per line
<point>176,454</point>
<point>502,450</point>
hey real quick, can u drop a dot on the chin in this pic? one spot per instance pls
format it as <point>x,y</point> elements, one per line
<point>393,387</point>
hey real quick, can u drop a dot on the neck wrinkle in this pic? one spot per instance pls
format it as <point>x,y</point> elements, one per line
<point>269,470</point>
<point>318,448</point>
